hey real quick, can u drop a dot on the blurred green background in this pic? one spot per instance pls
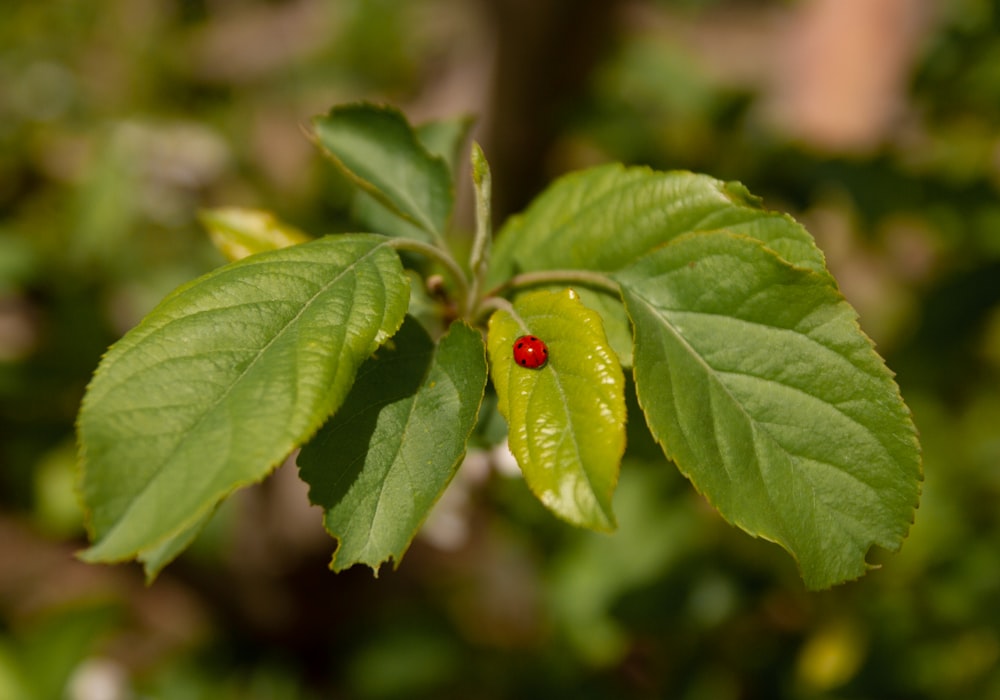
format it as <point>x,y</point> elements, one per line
<point>875,122</point>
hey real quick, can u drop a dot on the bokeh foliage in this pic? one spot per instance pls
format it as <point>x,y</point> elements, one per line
<point>119,119</point>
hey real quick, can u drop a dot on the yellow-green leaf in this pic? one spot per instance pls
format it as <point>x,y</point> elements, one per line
<point>239,233</point>
<point>566,419</point>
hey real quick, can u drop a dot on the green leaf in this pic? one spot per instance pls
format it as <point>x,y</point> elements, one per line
<point>238,233</point>
<point>223,379</point>
<point>155,558</point>
<point>607,217</point>
<point>371,215</point>
<point>379,465</point>
<point>443,139</point>
<point>757,381</point>
<point>567,419</point>
<point>379,151</point>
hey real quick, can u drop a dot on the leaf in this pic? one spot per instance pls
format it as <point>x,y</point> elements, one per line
<point>758,383</point>
<point>617,327</point>
<point>608,217</point>
<point>223,379</point>
<point>445,138</point>
<point>155,558</point>
<point>379,151</point>
<point>371,215</point>
<point>379,465</point>
<point>567,419</point>
<point>442,139</point>
<point>238,233</point>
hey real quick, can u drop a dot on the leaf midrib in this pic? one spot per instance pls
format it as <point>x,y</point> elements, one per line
<point>576,443</point>
<point>664,313</point>
<point>710,372</point>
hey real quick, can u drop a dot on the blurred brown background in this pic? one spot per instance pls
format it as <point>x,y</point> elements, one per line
<point>875,122</point>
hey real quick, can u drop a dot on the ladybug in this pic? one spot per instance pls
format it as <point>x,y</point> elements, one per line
<point>530,352</point>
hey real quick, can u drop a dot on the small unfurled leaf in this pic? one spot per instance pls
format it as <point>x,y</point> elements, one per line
<point>757,381</point>
<point>222,380</point>
<point>379,465</point>
<point>238,233</point>
<point>379,151</point>
<point>566,419</point>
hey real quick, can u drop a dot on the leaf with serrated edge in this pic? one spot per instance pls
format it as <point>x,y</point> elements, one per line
<point>567,419</point>
<point>379,151</point>
<point>379,465</point>
<point>757,381</point>
<point>223,379</point>
<point>607,217</point>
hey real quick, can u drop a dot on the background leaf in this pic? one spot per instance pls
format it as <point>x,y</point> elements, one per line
<point>567,419</point>
<point>379,151</point>
<point>379,465</point>
<point>238,233</point>
<point>758,383</point>
<point>54,648</point>
<point>607,217</point>
<point>223,379</point>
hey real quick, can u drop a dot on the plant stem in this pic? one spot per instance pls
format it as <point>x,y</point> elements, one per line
<point>585,278</point>
<point>480,256</point>
<point>493,303</point>
<point>442,256</point>
<point>495,299</point>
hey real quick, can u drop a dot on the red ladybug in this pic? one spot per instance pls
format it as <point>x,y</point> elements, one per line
<point>530,352</point>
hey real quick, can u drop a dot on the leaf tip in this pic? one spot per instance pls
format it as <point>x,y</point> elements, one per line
<point>738,194</point>
<point>480,167</point>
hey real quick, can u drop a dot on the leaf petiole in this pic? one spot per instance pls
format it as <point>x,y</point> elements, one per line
<point>442,256</point>
<point>495,303</point>
<point>597,281</point>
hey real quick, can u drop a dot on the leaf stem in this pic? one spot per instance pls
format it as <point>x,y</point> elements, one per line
<point>494,303</point>
<point>496,298</point>
<point>440,255</point>
<point>586,278</point>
